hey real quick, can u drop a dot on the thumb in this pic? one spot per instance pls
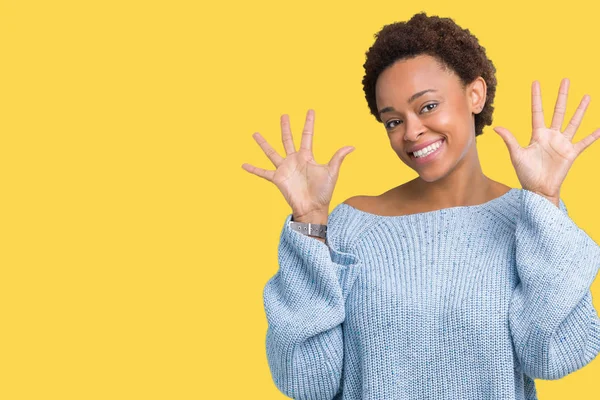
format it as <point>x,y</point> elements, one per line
<point>509,139</point>
<point>338,157</point>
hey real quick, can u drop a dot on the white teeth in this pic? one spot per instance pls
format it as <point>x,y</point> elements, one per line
<point>428,149</point>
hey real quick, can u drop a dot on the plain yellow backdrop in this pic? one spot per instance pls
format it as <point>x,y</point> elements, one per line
<point>134,248</point>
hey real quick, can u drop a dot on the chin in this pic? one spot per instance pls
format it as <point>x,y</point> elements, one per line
<point>429,177</point>
<point>433,173</point>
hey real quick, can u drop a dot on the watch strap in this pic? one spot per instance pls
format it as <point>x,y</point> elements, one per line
<point>317,230</point>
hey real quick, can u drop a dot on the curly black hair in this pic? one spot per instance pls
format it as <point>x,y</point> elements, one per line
<point>442,38</point>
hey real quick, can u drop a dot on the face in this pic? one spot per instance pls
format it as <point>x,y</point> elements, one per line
<point>420,102</point>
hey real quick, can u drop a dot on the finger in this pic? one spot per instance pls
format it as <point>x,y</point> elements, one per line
<point>307,133</point>
<point>577,117</point>
<point>268,175</point>
<point>286,135</point>
<point>275,158</point>
<point>509,139</point>
<point>586,141</point>
<point>537,113</point>
<point>338,157</point>
<point>561,105</point>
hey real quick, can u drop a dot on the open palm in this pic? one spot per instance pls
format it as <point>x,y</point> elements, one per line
<point>306,185</point>
<point>542,166</point>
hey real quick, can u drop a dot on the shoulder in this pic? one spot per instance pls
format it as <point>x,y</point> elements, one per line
<point>384,204</point>
<point>358,202</point>
<point>376,203</point>
<point>499,189</point>
<point>368,204</point>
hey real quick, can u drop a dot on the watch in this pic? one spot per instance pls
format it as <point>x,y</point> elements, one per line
<point>309,229</point>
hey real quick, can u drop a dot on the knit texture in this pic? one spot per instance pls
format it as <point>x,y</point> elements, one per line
<point>467,302</point>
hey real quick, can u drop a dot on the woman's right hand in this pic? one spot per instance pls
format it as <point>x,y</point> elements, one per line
<point>306,185</point>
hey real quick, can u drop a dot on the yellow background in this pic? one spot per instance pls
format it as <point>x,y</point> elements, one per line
<point>134,248</point>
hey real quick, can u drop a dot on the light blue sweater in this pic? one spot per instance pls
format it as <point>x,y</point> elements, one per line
<point>468,302</point>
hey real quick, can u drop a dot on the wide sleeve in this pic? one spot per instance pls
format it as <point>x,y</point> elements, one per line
<point>304,305</point>
<point>553,323</point>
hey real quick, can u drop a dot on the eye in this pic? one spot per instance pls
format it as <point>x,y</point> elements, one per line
<point>387,124</point>
<point>429,109</point>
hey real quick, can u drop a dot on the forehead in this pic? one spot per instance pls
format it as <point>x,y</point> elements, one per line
<point>406,77</point>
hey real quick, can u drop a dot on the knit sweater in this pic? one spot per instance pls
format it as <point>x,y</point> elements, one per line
<point>466,302</point>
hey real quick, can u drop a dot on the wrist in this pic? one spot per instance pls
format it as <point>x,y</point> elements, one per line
<point>314,226</point>
<point>320,217</point>
<point>552,199</point>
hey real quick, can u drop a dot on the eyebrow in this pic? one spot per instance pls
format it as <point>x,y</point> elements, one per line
<point>410,100</point>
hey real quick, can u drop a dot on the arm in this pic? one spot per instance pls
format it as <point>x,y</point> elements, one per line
<point>553,323</point>
<point>304,304</point>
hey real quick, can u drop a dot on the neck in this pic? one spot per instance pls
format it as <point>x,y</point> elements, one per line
<point>465,185</point>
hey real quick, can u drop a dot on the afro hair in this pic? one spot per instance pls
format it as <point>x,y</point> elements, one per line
<point>442,38</point>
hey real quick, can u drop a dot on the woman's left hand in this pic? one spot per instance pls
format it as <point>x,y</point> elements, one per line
<point>543,165</point>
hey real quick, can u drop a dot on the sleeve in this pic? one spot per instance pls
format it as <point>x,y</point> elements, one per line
<point>304,305</point>
<point>553,323</point>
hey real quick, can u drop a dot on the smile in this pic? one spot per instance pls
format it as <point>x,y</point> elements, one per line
<point>429,153</point>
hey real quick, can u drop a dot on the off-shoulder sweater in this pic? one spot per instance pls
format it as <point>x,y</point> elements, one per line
<point>467,302</point>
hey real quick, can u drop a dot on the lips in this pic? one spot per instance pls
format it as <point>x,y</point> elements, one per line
<point>421,147</point>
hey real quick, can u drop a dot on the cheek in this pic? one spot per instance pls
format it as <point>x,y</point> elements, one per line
<point>452,123</point>
<point>397,146</point>
<point>447,120</point>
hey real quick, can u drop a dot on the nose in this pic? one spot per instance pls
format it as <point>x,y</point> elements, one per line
<point>414,128</point>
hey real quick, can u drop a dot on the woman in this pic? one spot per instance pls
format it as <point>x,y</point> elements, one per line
<point>449,286</point>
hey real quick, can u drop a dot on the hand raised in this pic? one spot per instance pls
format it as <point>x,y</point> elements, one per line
<point>543,165</point>
<point>306,185</point>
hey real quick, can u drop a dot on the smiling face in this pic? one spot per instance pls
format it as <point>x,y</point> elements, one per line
<point>420,102</point>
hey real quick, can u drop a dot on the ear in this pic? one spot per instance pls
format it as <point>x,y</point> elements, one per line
<point>476,94</point>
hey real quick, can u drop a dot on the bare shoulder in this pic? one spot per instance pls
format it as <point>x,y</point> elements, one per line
<point>377,204</point>
<point>402,201</point>
<point>499,189</point>
<point>360,202</point>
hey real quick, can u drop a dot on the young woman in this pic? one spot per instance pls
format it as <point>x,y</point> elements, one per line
<point>449,286</point>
